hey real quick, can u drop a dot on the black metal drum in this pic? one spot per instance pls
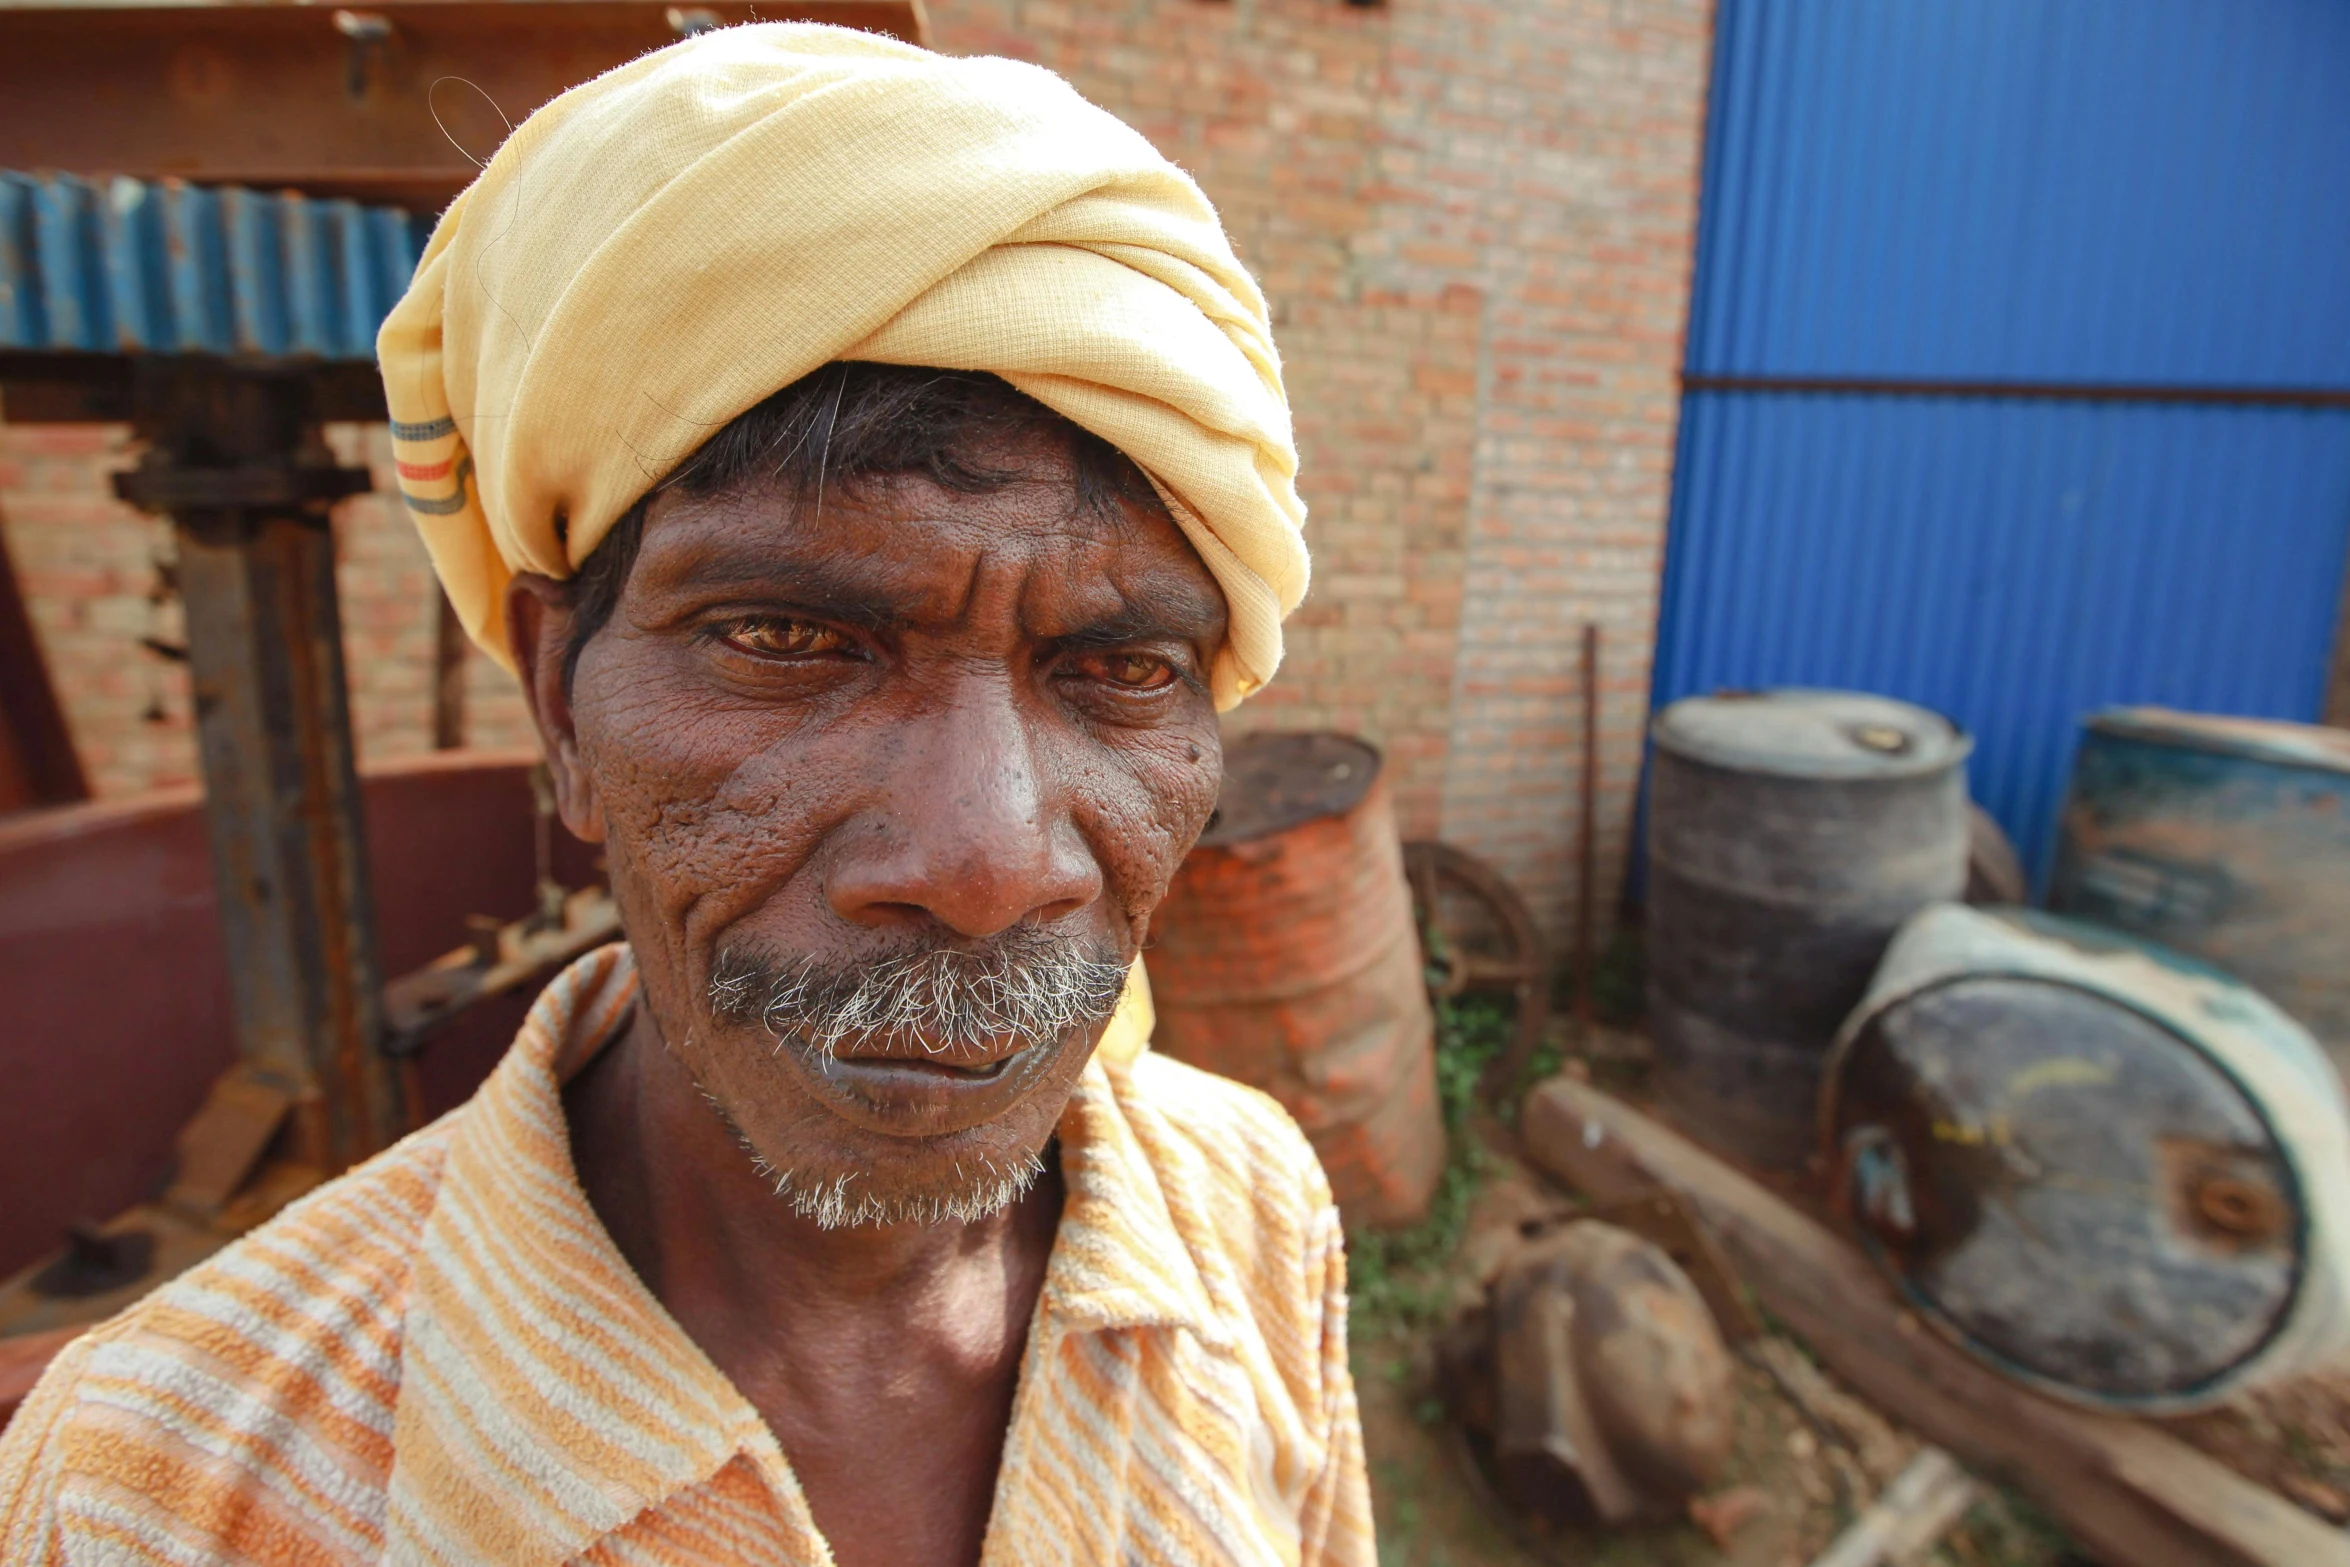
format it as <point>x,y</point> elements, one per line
<point>1789,835</point>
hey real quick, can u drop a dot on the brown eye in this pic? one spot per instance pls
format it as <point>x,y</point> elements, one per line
<point>777,638</point>
<point>1129,671</point>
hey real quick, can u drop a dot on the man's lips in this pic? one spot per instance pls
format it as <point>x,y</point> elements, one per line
<point>978,1058</point>
<point>940,1066</point>
<point>897,1087</point>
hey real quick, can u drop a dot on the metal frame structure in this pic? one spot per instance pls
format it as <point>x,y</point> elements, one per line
<point>228,326</point>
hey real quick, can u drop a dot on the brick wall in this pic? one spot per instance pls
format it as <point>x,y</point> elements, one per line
<point>1553,149</point>
<point>1472,218</point>
<point>89,569</point>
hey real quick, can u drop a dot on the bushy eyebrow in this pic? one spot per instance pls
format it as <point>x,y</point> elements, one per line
<point>1182,614</point>
<point>809,581</point>
<point>822,589</point>
<point>817,588</point>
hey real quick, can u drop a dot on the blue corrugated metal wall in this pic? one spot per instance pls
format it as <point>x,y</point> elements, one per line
<point>2106,192</point>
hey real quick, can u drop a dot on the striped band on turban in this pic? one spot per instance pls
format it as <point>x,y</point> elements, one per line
<point>658,250</point>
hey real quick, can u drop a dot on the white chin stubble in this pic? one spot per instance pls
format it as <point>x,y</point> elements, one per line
<point>841,1202</point>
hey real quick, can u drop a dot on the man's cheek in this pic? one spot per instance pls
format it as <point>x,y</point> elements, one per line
<point>1181,786</point>
<point>706,821</point>
<point>1150,825</point>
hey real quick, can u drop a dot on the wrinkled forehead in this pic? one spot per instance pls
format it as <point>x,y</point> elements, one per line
<point>894,551</point>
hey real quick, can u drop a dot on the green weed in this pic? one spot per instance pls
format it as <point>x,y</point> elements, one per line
<point>1395,1278</point>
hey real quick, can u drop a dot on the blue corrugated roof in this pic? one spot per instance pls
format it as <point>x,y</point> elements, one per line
<point>122,265</point>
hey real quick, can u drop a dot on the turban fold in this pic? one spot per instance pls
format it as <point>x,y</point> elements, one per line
<point>658,250</point>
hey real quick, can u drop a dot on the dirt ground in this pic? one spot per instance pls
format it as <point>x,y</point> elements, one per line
<point>1797,1474</point>
<point>1808,1454</point>
<point>2293,1438</point>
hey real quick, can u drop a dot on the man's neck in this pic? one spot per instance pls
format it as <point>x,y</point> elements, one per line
<point>845,1340</point>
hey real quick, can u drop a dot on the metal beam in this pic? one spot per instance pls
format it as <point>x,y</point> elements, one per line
<point>42,386</point>
<point>382,103</point>
<point>237,462</point>
<point>2039,391</point>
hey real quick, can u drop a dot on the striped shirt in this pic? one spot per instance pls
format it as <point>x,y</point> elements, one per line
<point>442,1357</point>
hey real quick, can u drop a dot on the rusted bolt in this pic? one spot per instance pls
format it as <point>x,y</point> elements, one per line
<point>363,26</point>
<point>369,32</point>
<point>2235,1207</point>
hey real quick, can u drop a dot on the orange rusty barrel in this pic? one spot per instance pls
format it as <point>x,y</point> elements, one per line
<point>1285,957</point>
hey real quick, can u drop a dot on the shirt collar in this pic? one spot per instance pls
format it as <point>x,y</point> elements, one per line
<point>1120,1259</point>
<point>547,1397</point>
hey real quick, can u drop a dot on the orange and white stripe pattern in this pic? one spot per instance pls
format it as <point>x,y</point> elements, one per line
<point>442,1358</point>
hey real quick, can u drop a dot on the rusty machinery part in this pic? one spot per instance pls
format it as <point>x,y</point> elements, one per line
<point>274,733</point>
<point>1592,1384</point>
<point>105,1267</point>
<point>1790,833</point>
<point>1284,956</point>
<point>1994,871</point>
<point>159,1240</point>
<point>454,833</point>
<point>1664,1219</point>
<point>504,956</point>
<point>236,459</point>
<point>2225,838</point>
<point>2106,1170</point>
<point>1478,937</point>
<point>451,648</point>
<point>95,1262</point>
<point>344,103</point>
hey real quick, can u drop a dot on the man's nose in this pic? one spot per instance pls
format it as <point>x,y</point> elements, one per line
<point>969,827</point>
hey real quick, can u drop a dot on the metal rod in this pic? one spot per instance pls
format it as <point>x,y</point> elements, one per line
<point>448,676</point>
<point>1586,854</point>
<point>2045,391</point>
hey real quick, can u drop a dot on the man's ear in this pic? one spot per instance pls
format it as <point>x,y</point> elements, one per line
<point>538,632</point>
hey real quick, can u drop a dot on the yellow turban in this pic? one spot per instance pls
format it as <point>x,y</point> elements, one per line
<point>658,250</point>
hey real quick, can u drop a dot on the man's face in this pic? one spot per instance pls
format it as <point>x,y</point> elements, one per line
<point>889,787</point>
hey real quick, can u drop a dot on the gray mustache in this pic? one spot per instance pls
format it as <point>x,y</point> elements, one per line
<point>1030,985</point>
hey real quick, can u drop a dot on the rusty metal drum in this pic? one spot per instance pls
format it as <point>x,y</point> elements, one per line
<point>2108,1169</point>
<point>2227,838</point>
<point>1285,957</point>
<point>1790,832</point>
